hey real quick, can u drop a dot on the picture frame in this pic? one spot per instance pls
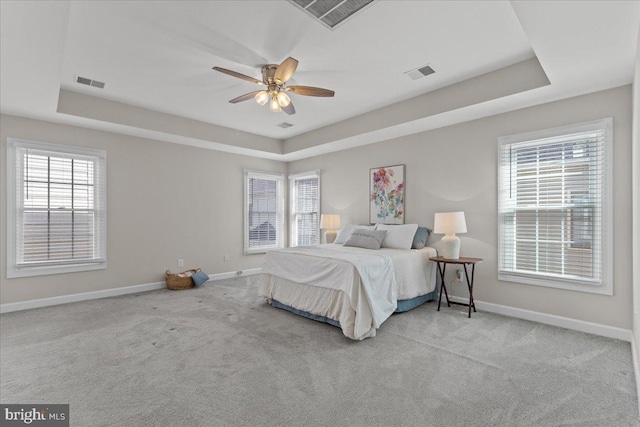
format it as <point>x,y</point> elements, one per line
<point>387,194</point>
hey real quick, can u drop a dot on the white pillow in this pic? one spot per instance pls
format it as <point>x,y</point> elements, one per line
<point>398,236</point>
<point>346,230</point>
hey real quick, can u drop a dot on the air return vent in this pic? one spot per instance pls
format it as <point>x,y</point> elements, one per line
<point>285,125</point>
<point>419,73</point>
<point>89,82</point>
<point>331,13</point>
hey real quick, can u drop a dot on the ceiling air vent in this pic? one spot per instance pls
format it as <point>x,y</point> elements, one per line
<point>418,73</point>
<point>285,125</point>
<point>331,13</point>
<point>89,82</point>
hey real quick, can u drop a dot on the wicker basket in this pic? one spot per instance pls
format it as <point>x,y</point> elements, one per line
<point>177,283</point>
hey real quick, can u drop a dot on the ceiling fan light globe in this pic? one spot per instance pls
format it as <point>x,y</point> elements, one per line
<point>283,99</point>
<point>262,97</point>
<point>274,106</point>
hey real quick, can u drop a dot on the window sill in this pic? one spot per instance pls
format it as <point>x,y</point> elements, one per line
<point>14,273</point>
<point>551,283</point>
<point>259,251</point>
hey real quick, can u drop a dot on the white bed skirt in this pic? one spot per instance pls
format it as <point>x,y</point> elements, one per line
<point>329,303</point>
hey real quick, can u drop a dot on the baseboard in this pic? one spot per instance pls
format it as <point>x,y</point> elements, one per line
<point>636,368</point>
<point>105,293</point>
<point>551,319</point>
<point>65,299</point>
<point>231,274</point>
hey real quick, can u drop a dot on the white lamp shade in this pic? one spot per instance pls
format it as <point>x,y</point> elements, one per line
<point>330,221</point>
<point>449,223</point>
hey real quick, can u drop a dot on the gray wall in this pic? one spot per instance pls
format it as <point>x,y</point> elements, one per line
<point>168,201</point>
<point>455,168</point>
<point>164,202</point>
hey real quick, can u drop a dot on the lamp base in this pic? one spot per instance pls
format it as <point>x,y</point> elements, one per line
<point>450,246</point>
<point>330,236</point>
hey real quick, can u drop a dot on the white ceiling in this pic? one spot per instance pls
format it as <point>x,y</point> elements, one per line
<point>159,55</point>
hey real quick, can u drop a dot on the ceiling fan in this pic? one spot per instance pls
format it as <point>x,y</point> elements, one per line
<point>275,77</point>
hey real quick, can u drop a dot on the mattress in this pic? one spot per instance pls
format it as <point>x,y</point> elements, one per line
<point>415,274</point>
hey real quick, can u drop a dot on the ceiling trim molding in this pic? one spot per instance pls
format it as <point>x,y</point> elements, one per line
<point>517,78</point>
<point>91,107</point>
<point>439,108</point>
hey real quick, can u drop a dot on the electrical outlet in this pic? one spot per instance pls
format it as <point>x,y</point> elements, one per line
<point>180,263</point>
<point>458,276</point>
<point>226,258</point>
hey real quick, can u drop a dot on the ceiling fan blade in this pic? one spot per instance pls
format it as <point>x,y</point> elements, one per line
<point>244,97</point>
<point>289,109</point>
<point>238,75</point>
<point>310,91</point>
<point>285,70</point>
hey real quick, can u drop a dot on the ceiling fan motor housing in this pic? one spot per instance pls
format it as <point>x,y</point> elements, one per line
<point>268,73</point>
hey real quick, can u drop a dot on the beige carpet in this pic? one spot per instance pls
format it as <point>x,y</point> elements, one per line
<point>220,356</point>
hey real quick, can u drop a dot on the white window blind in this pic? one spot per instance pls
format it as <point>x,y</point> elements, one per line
<point>304,218</point>
<point>56,208</point>
<point>264,211</point>
<point>554,207</point>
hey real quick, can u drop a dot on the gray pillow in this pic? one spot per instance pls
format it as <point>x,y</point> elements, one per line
<point>367,239</point>
<point>421,237</point>
<point>345,232</point>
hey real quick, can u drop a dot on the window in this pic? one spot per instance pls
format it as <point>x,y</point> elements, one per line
<point>554,208</point>
<point>264,211</point>
<point>56,209</point>
<point>304,193</point>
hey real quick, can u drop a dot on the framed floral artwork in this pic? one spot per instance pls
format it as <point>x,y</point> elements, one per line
<point>386,195</point>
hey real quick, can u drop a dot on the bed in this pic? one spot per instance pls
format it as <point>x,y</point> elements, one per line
<point>352,288</point>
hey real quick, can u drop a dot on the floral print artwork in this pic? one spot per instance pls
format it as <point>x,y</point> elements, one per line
<point>386,195</point>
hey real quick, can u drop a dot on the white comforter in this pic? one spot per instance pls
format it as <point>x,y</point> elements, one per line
<point>371,289</point>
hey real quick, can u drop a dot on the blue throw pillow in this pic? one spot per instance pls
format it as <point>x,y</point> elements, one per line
<point>199,278</point>
<point>421,237</point>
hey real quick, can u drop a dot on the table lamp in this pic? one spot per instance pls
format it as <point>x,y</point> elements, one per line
<point>450,223</point>
<point>330,222</point>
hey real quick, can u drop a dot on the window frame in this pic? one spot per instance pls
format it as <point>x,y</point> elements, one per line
<point>280,207</point>
<point>605,287</point>
<point>292,203</point>
<point>12,206</point>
